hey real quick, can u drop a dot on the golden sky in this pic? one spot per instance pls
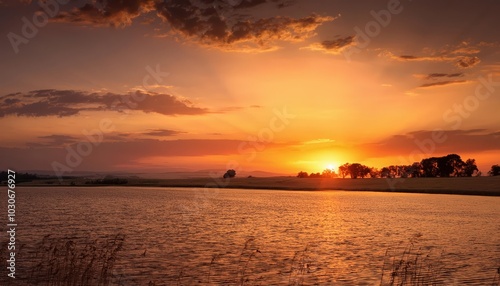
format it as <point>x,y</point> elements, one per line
<point>271,85</point>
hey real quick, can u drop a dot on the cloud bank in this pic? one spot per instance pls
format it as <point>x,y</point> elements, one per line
<point>62,103</point>
<point>227,25</point>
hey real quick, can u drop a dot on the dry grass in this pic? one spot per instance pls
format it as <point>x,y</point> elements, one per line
<point>299,267</point>
<point>412,267</point>
<point>496,278</point>
<point>61,261</point>
<point>249,251</point>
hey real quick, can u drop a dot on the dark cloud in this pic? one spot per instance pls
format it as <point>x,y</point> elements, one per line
<point>407,57</point>
<point>53,141</point>
<point>63,103</point>
<point>467,62</point>
<point>441,83</point>
<point>167,105</point>
<point>114,136</point>
<point>441,75</point>
<point>41,108</point>
<point>283,4</point>
<point>213,26</point>
<point>242,4</point>
<point>11,101</point>
<point>59,139</point>
<point>339,43</point>
<point>459,61</point>
<point>162,132</point>
<point>117,13</point>
<point>460,55</point>
<point>333,46</point>
<point>214,23</point>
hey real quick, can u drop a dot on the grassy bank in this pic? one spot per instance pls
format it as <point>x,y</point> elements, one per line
<point>481,186</point>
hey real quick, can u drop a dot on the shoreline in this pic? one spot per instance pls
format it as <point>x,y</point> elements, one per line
<point>473,186</point>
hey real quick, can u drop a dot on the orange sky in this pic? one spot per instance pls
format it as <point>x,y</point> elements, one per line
<point>278,86</point>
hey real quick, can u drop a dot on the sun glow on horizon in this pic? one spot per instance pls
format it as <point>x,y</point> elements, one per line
<point>332,166</point>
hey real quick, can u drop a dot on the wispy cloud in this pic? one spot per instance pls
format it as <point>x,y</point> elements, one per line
<point>443,83</point>
<point>443,75</point>
<point>458,61</point>
<point>462,56</point>
<point>55,140</point>
<point>162,132</point>
<point>319,141</point>
<point>332,46</point>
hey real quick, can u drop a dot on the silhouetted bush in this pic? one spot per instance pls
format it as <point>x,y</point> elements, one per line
<point>229,174</point>
<point>495,170</point>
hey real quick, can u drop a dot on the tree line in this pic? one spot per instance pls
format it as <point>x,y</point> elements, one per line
<point>446,166</point>
<point>108,180</point>
<point>19,177</point>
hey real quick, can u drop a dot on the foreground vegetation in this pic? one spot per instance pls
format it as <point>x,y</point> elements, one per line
<point>60,261</point>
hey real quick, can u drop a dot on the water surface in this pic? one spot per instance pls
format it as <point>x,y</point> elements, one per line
<point>265,237</point>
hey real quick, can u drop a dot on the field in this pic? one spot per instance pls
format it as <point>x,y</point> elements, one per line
<point>483,186</point>
<point>466,186</point>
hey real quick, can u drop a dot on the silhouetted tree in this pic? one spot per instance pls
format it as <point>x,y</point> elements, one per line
<point>328,173</point>
<point>302,175</point>
<point>430,167</point>
<point>394,171</point>
<point>344,170</point>
<point>229,174</point>
<point>416,170</point>
<point>445,166</point>
<point>355,170</point>
<point>365,171</point>
<point>385,172</point>
<point>495,170</point>
<point>374,173</point>
<point>449,165</point>
<point>108,180</point>
<point>315,175</point>
<point>401,171</point>
<point>468,168</point>
<point>404,171</point>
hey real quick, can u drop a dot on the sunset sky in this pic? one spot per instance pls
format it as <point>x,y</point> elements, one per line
<point>272,85</point>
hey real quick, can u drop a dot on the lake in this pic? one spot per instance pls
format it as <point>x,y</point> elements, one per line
<point>190,236</point>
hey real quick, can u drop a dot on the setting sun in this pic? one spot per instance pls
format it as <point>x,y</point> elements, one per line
<point>332,166</point>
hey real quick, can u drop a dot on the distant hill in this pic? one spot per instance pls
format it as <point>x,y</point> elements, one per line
<point>205,174</point>
<point>181,174</point>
